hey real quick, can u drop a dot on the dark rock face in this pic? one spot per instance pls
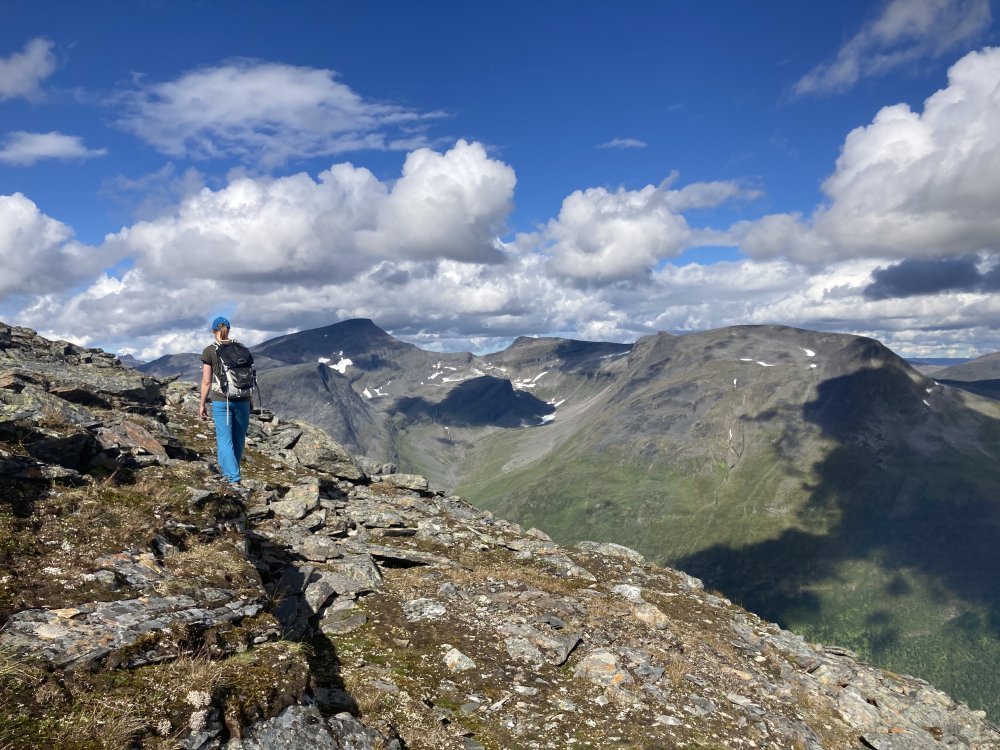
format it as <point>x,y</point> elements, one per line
<point>62,402</point>
<point>147,605</point>
<point>360,338</point>
<point>315,392</point>
<point>306,727</point>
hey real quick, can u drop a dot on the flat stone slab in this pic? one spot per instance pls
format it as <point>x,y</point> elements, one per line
<point>414,557</point>
<point>610,549</point>
<point>90,631</point>
<point>413,482</point>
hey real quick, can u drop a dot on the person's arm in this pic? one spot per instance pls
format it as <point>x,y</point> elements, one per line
<point>206,387</point>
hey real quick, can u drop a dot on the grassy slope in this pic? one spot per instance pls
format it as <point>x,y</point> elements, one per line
<point>832,546</point>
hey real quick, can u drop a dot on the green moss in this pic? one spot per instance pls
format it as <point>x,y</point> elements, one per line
<point>111,709</point>
<point>260,683</point>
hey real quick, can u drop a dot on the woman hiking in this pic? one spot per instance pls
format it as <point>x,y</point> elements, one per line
<point>230,403</point>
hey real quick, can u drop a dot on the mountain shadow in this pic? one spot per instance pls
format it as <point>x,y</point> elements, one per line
<point>478,402</point>
<point>911,491</point>
<point>987,388</point>
<point>568,356</point>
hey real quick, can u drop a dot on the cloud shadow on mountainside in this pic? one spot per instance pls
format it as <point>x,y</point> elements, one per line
<point>478,402</point>
<point>934,513</point>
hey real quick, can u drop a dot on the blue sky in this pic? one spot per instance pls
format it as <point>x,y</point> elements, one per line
<point>463,173</point>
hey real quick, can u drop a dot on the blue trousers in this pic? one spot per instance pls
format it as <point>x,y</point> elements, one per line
<point>230,434</point>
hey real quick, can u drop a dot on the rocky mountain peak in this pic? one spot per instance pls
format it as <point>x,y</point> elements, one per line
<point>356,339</point>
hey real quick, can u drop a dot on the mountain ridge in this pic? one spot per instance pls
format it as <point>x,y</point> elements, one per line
<point>728,453</point>
<point>338,603</point>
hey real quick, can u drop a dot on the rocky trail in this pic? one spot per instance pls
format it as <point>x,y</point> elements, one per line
<point>336,603</point>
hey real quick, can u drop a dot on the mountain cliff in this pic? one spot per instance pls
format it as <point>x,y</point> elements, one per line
<point>340,604</point>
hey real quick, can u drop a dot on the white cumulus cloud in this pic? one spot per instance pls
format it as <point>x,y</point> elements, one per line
<point>22,149</point>
<point>904,32</point>
<point>909,185</point>
<point>450,205</point>
<point>260,229</point>
<point>265,114</point>
<point>22,73</point>
<point>37,253</point>
<point>277,230</point>
<point>298,252</point>
<point>604,236</point>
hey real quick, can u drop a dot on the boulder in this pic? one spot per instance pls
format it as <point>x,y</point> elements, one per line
<point>317,450</point>
<point>298,502</point>
<point>456,661</point>
<point>130,436</point>
<point>650,614</point>
<point>413,482</point>
<point>601,666</point>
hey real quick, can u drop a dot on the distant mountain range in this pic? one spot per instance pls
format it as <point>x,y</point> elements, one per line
<point>129,361</point>
<point>980,375</point>
<point>816,478</point>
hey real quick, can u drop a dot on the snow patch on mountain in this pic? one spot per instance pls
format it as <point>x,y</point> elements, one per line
<point>525,383</point>
<point>546,418</point>
<point>340,367</point>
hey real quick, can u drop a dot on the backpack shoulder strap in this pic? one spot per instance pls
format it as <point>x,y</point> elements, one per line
<point>217,366</point>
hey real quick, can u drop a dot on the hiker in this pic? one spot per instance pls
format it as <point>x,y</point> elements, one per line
<point>231,401</point>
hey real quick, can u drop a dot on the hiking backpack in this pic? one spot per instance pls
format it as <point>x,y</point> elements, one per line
<point>236,374</point>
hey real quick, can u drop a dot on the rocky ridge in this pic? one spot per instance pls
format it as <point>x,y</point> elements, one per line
<point>336,603</point>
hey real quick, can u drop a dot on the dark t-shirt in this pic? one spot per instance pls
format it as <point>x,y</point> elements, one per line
<point>211,357</point>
